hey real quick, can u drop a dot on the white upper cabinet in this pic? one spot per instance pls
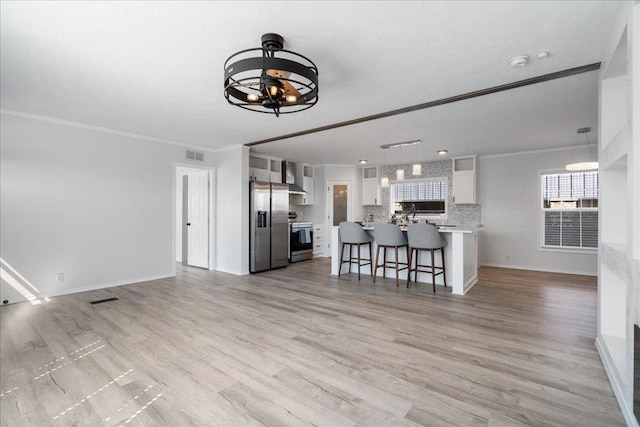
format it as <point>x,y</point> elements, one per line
<point>259,169</point>
<point>304,179</point>
<point>265,169</point>
<point>464,180</point>
<point>307,184</point>
<point>370,186</point>
<point>275,170</point>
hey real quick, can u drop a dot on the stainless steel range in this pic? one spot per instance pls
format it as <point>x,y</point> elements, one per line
<point>300,241</point>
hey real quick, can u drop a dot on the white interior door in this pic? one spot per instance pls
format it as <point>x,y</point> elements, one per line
<point>198,219</point>
<point>339,202</point>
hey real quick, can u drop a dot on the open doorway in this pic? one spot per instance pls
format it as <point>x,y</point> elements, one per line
<point>194,190</point>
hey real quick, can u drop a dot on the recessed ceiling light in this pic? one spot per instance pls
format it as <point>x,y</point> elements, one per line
<point>543,54</point>
<point>519,61</point>
<point>363,161</point>
<point>443,152</point>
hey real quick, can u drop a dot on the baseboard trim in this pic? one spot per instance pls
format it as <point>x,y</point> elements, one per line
<point>469,284</point>
<point>616,383</point>
<point>234,272</point>
<point>103,286</point>
<point>546,270</point>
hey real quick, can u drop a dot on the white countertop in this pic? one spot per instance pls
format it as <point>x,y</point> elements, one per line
<point>442,229</point>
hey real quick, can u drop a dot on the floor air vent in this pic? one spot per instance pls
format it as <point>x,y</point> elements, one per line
<point>100,301</point>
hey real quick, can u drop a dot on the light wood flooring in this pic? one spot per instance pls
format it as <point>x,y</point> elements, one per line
<point>297,346</point>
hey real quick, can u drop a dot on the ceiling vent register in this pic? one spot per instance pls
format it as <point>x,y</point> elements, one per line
<point>195,155</point>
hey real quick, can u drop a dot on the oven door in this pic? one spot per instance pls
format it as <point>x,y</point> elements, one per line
<point>301,244</point>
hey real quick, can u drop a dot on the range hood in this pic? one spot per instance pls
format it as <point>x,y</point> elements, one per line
<point>289,177</point>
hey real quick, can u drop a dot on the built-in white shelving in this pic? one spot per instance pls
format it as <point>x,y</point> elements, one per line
<point>619,216</point>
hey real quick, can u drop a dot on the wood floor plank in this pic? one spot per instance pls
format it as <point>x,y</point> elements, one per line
<point>297,346</point>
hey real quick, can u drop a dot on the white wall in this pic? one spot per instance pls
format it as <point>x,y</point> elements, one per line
<point>509,192</point>
<point>98,206</point>
<point>232,211</point>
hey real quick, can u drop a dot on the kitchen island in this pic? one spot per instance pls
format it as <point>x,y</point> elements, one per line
<point>461,258</point>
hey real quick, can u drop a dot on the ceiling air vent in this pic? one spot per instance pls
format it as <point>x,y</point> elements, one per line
<point>194,155</point>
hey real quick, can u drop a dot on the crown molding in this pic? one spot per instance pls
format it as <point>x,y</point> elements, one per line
<point>544,150</point>
<point>79,125</point>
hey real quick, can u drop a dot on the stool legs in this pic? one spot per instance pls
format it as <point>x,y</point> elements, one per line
<point>375,272</point>
<point>384,265</point>
<point>414,254</point>
<point>397,272</point>
<point>444,270</point>
<point>384,261</point>
<point>358,262</point>
<point>352,260</point>
<point>433,269</point>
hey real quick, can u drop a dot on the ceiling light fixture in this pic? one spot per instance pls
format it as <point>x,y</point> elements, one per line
<point>543,54</point>
<point>583,166</point>
<point>265,83</point>
<point>519,61</point>
<point>362,161</point>
<point>400,170</point>
<point>417,166</point>
<point>443,152</point>
<point>400,144</point>
<point>384,181</point>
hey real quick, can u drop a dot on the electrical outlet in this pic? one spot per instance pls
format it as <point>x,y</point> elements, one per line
<point>508,257</point>
<point>59,277</point>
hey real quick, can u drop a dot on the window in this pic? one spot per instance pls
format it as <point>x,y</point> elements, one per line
<point>426,197</point>
<point>570,210</point>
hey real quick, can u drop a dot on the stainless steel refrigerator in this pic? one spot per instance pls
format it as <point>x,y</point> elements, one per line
<point>269,226</point>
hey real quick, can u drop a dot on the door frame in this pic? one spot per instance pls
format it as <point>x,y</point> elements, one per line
<point>212,212</point>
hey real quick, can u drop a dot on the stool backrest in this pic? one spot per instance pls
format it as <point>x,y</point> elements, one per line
<point>389,235</point>
<point>350,232</point>
<point>425,236</point>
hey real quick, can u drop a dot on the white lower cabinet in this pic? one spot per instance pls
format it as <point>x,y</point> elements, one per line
<point>318,240</point>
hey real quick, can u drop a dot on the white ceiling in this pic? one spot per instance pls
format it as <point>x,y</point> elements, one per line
<point>156,69</point>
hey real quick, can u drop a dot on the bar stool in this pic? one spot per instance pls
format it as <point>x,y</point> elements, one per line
<point>389,236</point>
<point>352,234</point>
<point>425,237</point>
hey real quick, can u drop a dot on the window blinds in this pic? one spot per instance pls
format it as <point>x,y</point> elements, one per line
<point>569,202</point>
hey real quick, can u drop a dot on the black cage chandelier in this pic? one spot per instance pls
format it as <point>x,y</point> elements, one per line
<point>265,83</point>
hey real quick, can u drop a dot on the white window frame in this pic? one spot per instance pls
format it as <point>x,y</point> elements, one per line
<point>439,217</point>
<point>565,249</point>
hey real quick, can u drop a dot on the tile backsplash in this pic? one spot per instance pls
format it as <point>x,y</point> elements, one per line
<point>300,210</point>
<point>456,214</point>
